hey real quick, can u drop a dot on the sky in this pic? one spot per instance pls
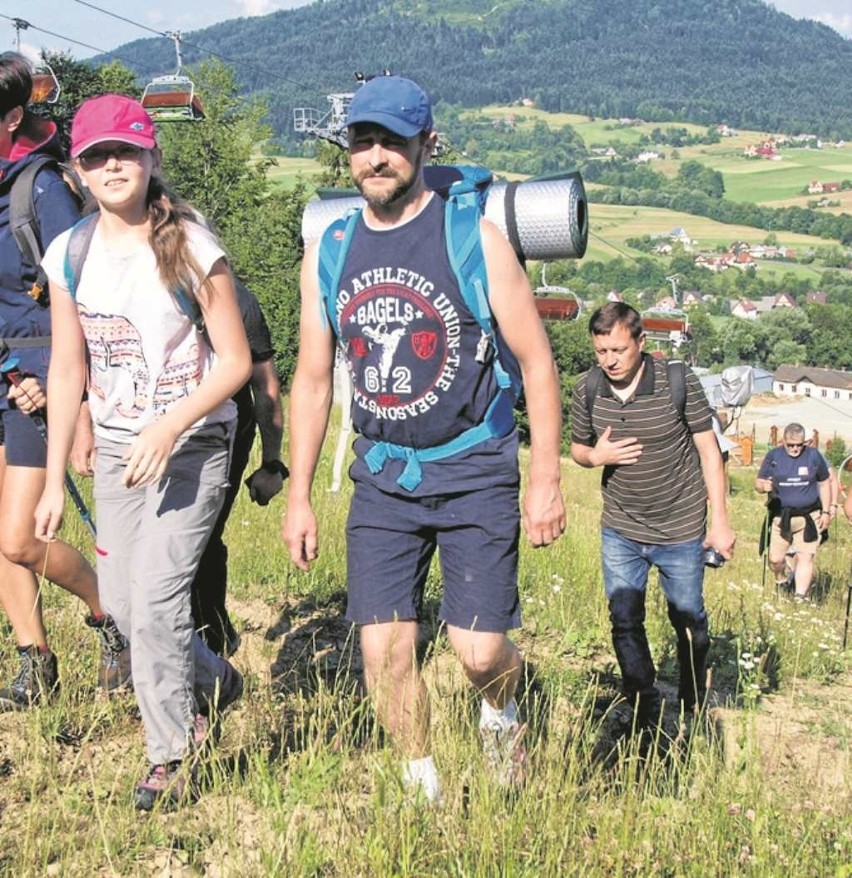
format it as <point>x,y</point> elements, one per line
<point>75,20</point>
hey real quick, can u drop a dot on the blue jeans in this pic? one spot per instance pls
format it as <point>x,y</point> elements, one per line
<point>626,564</point>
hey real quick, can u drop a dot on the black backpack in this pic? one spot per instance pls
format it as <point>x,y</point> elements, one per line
<point>23,221</point>
<point>675,370</point>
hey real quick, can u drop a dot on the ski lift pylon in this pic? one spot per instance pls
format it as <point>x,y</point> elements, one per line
<point>172,98</point>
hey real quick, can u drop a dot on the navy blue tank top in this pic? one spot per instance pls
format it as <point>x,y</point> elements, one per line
<point>410,345</point>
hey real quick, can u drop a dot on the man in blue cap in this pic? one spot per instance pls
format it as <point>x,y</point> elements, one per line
<point>411,346</point>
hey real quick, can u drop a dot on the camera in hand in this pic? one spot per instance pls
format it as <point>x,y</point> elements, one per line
<point>712,558</point>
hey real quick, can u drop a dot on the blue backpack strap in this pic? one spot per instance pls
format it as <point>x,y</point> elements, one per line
<point>190,307</point>
<point>82,233</point>
<point>334,247</point>
<point>75,256</point>
<point>465,202</point>
<point>464,190</point>
<point>498,421</point>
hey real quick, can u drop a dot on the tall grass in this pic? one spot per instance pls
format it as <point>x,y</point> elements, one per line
<point>305,784</point>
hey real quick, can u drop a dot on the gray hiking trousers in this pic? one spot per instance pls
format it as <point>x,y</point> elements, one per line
<point>150,541</point>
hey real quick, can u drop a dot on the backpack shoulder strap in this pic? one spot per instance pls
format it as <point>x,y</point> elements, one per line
<point>462,212</point>
<point>190,307</point>
<point>82,233</point>
<point>75,257</point>
<point>675,370</point>
<point>676,373</point>
<point>23,221</point>
<point>593,388</point>
<point>333,249</point>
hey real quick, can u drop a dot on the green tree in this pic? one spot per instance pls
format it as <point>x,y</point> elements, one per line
<point>573,353</point>
<point>79,80</point>
<point>836,451</point>
<point>215,165</point>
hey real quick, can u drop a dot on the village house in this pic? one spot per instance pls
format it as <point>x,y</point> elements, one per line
<point>713,263</point>
<point>813,381</point>
<point>770,303</point>
<point>679,235</point>
<point>692,298</point>
<point>744,308</point>
<point>817,187</point>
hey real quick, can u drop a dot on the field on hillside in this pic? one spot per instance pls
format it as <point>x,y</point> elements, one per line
<point>305,785</point>
<point>774,183</point>
<point>612,224</point>
<point>777,183</point>
<point>287,170</point>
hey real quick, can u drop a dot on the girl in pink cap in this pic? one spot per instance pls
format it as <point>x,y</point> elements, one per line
<point>150,307</point>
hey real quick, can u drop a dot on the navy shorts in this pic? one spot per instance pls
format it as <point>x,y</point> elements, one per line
<point>391,540</point>
<point>22,441</point>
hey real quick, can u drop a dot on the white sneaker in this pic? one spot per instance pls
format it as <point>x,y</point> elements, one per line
<point>420,776</point>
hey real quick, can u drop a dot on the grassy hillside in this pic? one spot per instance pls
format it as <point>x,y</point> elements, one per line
<point>305,785</point>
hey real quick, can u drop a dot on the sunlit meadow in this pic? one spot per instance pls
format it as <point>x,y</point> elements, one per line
<point>305,784</point>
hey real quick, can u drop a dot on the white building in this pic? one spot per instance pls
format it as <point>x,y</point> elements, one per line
<point>828,384</point>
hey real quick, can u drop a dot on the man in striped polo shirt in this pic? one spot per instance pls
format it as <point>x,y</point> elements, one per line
<point>661,464</point>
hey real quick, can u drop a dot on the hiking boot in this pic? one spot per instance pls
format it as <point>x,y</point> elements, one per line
<point>647,711</point>
<point>114,671</point>
<point>505,753</point>
<point>170,785</point>
<point>37,680</point>
<point>232,642</point>
<point>208,721</point>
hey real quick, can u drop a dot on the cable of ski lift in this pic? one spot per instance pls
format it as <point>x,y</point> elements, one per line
<point>45,88</point>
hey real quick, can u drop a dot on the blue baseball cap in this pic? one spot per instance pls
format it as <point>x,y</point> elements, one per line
<point>393,102</point>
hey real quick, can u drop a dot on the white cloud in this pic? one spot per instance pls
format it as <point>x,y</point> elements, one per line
<point>841,23</point>
<point>259,7</point>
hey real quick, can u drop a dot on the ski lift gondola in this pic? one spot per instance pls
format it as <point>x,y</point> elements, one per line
<point>46,88</point>
<point>555,302</point>
<point>172,98</point>
<point>663,324</point>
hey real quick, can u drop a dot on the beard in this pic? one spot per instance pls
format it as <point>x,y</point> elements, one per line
<point>388,196</point>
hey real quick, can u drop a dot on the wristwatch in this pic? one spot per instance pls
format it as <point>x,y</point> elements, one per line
<point>275,467</point>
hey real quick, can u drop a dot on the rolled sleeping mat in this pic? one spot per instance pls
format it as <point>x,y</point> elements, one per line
<point>545,218</point>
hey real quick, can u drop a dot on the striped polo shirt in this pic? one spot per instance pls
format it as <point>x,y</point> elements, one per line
<point>662,498</point>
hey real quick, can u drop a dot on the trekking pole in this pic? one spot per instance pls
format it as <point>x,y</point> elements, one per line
<point>12,374</point>
<point>767,530</point>
<point>848,605</point>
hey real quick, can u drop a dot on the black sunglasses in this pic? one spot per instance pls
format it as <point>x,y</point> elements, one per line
<point>97,157</point>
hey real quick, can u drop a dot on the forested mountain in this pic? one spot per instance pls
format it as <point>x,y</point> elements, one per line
<point>736,61</point>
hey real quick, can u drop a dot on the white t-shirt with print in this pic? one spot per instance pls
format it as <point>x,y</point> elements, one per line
<point>145,354</point>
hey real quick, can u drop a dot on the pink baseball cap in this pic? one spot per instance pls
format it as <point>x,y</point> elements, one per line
<point>111,117</point>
